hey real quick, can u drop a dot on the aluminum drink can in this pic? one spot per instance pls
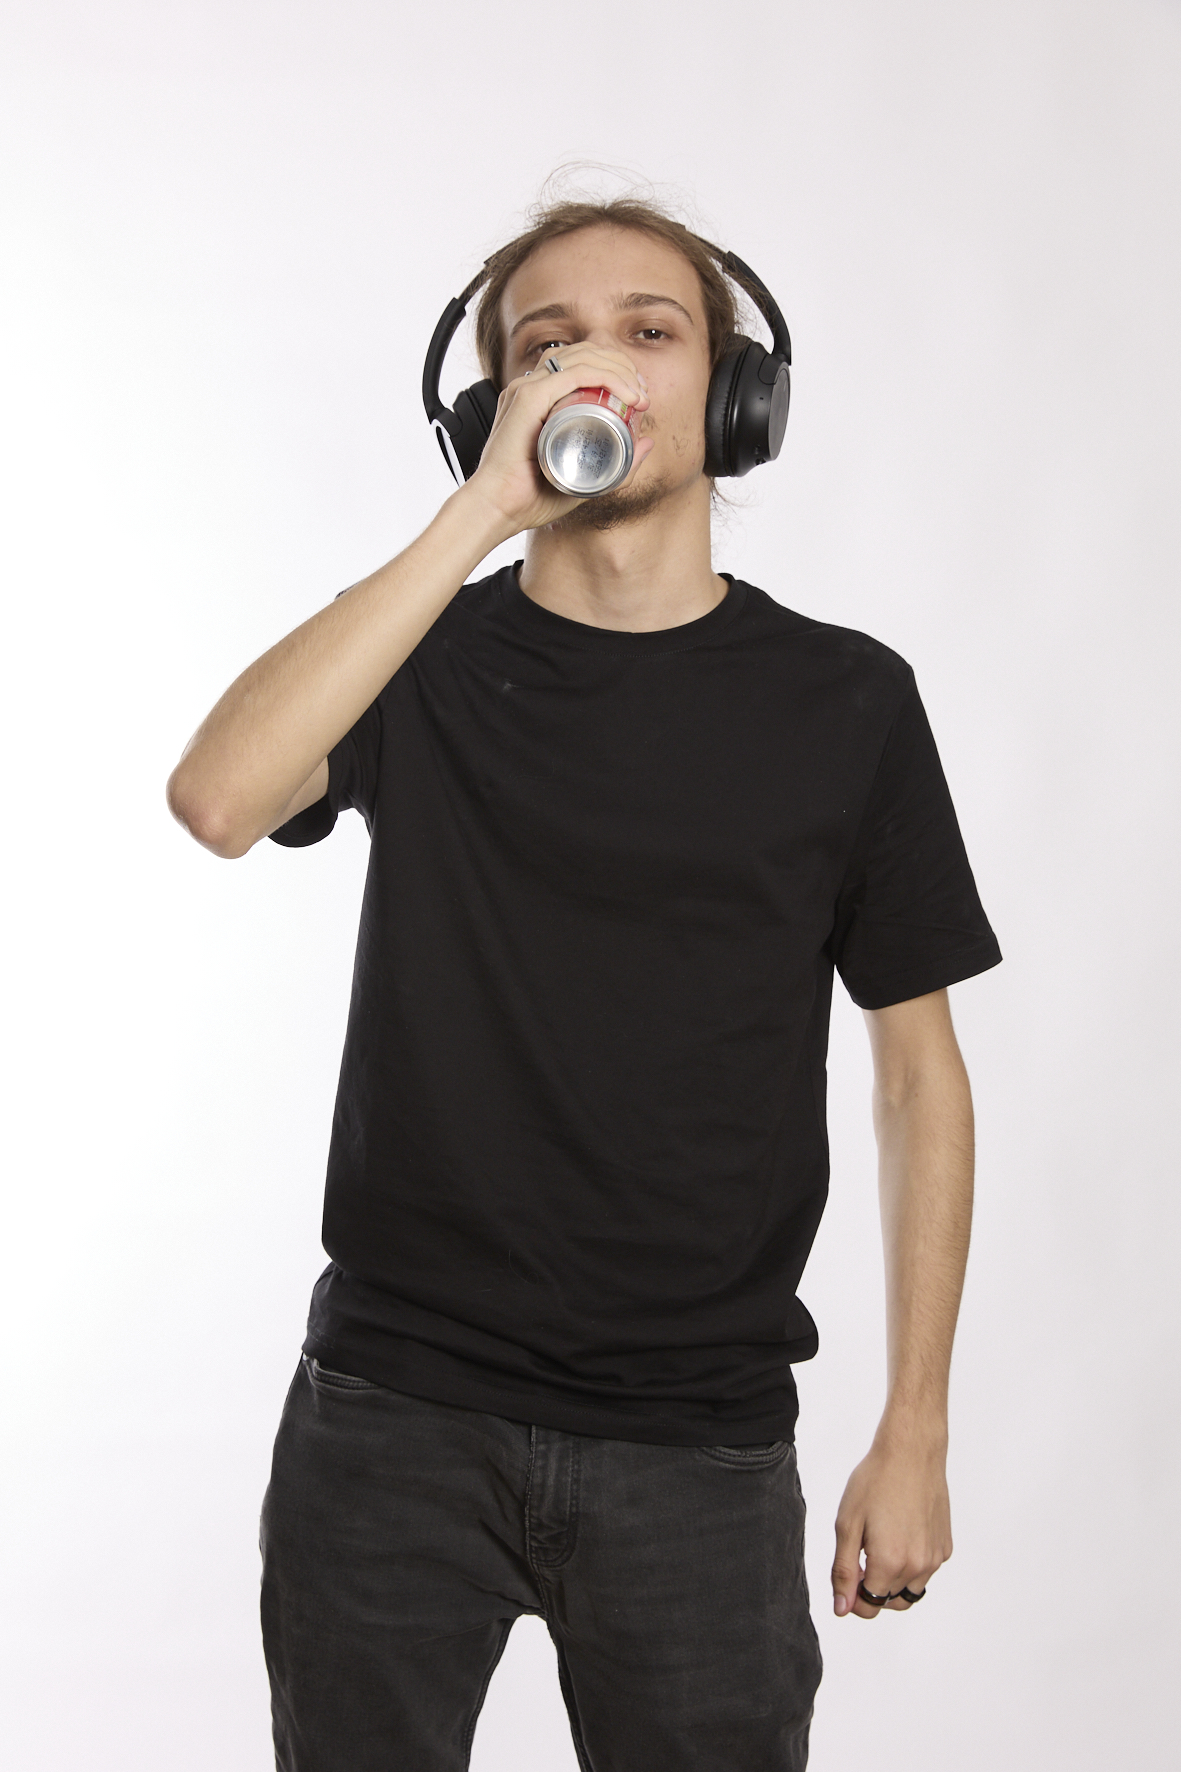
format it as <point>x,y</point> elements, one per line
<point>587,444</point>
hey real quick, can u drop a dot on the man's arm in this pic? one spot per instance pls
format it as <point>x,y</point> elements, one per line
<point>895,1506</point>
<point>260,755</point>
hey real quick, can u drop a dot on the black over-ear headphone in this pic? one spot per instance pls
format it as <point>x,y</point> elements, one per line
<point>745,409</point>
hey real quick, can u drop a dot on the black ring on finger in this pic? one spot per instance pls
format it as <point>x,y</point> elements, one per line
<point>911,1599</point>
<point>863,1593</point>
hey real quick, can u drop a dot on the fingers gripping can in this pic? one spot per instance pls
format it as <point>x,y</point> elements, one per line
<point>587,443</point>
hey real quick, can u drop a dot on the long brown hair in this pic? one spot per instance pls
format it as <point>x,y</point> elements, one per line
<point>551,221</point>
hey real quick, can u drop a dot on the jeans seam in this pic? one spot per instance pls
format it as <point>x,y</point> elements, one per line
<point>529,1501</point>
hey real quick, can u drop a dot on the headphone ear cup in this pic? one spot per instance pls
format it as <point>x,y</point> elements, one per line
<point>758,413</point>
<point>746,409</point>
<point>719,402</point>
<point>485,398</point>
<point>468,425</point>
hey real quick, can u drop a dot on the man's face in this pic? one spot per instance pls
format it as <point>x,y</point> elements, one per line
<point>615,287</point>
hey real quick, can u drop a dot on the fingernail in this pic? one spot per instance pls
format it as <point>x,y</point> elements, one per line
<point>841,1605</point>
<point>641,381</point>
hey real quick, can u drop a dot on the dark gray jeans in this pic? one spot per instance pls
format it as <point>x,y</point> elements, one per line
<point>401,1538</point>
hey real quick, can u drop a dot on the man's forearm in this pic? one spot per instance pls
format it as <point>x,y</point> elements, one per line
<point>923,1121</point>
<point>895,1508</point>
<point>282,716</point>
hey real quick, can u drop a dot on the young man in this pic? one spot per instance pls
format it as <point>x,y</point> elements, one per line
<point>626,816</point>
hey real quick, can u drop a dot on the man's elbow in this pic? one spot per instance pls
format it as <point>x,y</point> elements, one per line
<point>206,820</point>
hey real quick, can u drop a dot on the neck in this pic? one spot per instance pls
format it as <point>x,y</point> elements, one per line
<point>650,572</point>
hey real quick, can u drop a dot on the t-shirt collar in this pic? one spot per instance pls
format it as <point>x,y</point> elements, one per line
<point>523,612</point>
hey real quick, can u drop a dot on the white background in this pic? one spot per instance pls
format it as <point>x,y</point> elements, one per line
<point>230,226</point>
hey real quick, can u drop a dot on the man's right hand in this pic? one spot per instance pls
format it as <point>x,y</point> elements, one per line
<point>508,480</point>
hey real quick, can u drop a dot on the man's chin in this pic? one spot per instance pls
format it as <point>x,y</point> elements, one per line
<point>629,505</point>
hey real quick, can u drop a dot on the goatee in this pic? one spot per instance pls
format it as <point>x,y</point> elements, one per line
<point>628,505</point>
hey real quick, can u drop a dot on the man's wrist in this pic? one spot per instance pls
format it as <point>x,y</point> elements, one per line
<point>485,521</point>
<point>913,1425</point>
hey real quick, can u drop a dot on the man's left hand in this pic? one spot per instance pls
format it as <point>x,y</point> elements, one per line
<point>896,1509</point>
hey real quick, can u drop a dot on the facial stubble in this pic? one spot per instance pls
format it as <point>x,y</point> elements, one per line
<point>628,505</point>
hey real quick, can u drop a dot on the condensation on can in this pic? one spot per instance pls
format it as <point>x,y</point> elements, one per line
<point>587,444</point>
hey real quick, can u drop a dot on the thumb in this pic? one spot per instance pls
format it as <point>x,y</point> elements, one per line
<point>846,1567</point>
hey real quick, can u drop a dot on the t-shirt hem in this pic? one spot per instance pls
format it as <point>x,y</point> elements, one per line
<point>937,975</point>
<point>397,1368</point>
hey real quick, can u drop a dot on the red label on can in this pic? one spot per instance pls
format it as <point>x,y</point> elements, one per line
<point>598,397</point>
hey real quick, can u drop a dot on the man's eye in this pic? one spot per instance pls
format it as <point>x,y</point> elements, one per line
<point>652,332</point>
<point>549,344</point>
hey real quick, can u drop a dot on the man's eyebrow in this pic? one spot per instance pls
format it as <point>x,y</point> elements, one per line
<point>560,310</point>
<point>557,310</point>
<point>627,302</point>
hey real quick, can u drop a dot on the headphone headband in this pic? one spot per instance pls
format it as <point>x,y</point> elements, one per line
<point>441,338</point>
<point>759,293</point>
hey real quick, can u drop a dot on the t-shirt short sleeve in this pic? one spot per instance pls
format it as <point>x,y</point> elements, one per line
<point>352,781</point>
<point>909,919</point>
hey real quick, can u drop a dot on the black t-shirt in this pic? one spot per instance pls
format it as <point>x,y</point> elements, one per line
<point>579,1152</point>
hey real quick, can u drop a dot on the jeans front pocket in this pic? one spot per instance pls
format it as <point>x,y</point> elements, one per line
<point>749,1457</point>
<point>335,1381</point>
